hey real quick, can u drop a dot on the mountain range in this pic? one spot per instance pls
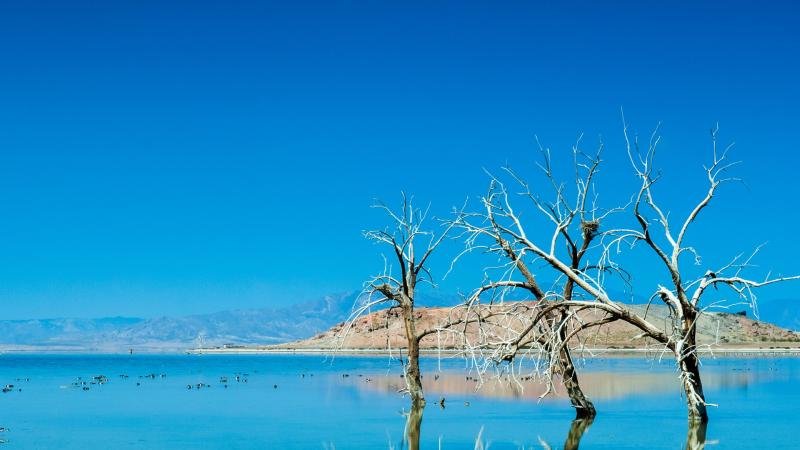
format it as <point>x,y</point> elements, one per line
<point>237,327</point>
<point>115,334</point>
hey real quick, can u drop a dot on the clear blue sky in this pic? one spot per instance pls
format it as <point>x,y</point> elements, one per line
<point>162,157</point>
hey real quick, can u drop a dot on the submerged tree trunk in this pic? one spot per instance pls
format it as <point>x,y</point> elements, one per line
<point>689,366</point>
<point>693,388</point>
<point>583,406</point>
<point>413,376</point>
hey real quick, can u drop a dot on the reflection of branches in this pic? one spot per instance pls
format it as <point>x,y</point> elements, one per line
<point>576,431</point>
<point>696,436</point>
<point>411,434</point>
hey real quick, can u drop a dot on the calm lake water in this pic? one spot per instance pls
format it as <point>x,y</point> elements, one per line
<point>332,406</point>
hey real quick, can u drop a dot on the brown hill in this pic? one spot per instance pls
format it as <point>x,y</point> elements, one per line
<point>384,329</point>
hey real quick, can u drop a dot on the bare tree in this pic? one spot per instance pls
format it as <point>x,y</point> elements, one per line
<point>578,227</point>
<point>584,283</point>
<point>682,297</point>
<point>404,236</point>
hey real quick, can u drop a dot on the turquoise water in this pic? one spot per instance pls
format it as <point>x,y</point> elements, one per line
<point>314,402</point>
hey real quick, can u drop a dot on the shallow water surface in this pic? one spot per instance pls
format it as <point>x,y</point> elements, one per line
<point>314,402</point>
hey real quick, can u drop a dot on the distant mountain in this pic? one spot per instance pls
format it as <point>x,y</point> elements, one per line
<point>58,331</point>
<point>116,334</point>
<point>238,327</point>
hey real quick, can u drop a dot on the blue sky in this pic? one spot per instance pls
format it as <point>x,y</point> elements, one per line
<point>180,157</point>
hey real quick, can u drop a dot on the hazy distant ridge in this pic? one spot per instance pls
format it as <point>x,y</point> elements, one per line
<point>248,326</point>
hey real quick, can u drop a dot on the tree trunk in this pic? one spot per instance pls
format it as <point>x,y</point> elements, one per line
<point>689,366</point>
<point>583,406</point>
<point>413,376</point>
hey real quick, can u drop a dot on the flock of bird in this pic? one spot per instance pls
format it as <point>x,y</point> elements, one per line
<point>239,377</point>
<point>10,387</point>
<point>86,384</point>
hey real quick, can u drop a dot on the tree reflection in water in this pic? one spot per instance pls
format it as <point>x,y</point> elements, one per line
<point>576,431</point>
<point>413,424</point>
<point>695,436</point>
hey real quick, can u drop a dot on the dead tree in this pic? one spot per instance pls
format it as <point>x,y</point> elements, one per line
<point>684,298</point>
<point>577,231</point>
<point>399,290</point>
